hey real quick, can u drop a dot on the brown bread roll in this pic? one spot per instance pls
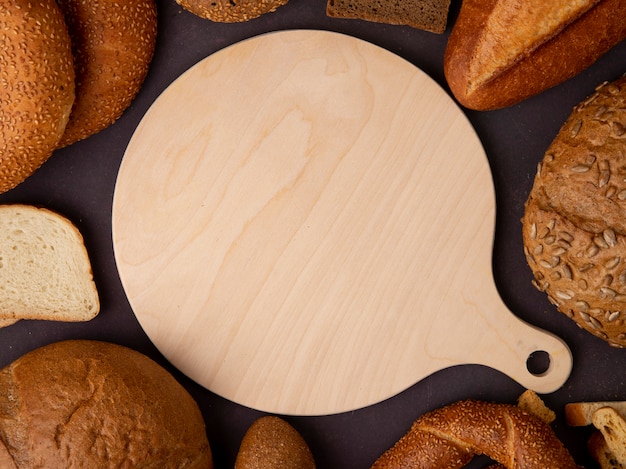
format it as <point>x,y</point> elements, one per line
<point>574,225</point>
<point>450,437</point>
<point>501,52</point>
<point>230,11</point>
<point>113,43</point>
<point>271,443</point>
<point>37,93</point>
<point>82,403</point>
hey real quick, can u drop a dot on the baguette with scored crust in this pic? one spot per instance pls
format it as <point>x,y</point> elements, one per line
<point>501,52</point>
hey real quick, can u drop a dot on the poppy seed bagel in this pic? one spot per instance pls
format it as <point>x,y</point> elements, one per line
<point>230,11</point>
<point>113,42</point>
<point>37,93</point>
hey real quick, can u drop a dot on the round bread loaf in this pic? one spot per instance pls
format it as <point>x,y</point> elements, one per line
<point>230,11</point>
<point>37,93</point>
<point>113,44</point>
<point>574,225</point>
<point>82,403</point>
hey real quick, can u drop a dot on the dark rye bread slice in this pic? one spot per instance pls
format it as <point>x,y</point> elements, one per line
<point>429,15</point>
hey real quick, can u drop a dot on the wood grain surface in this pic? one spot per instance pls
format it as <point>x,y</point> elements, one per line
<point>303,223</point>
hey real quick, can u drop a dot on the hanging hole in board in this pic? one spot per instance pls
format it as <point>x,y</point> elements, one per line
<point>538,363</point>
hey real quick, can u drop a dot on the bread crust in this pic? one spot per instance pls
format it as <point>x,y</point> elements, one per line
<point>574,224</point>
<point>562,51</point>
<point>37,73</point>
<point>113,43</point>
<point>504,432</point>
<point>230,11</point>
<point>82,403</point>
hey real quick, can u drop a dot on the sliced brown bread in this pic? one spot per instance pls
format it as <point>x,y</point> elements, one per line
<point>429,15</point>
<point>45,272</point>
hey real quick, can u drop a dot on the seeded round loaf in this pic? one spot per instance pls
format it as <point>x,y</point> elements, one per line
<point>230,11</point>
<point>81,403</point>
<point>37,92</point>
<point>574,225</point>
<point>113,44</point>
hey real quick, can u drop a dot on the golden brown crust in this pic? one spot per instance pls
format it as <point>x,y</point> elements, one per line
<point>113,43</point>
<point>574,225</point>
<point>572,46</point>
<point>37,73</point>
<point>271,443</point>
<point>230,11</point>
<point>504,432</point>
<point>94,404</point>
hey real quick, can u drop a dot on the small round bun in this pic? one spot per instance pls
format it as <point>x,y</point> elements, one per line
<point>574,225</point>
<point>230,11</point>
<point>113,44</point>
<point>81,403</point>
<point>272,443</point>
<point>37,93</point>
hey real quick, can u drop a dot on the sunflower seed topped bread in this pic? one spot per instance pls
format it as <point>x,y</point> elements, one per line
<point>501,52</point>
<point>113,43</point>
<point>574,225</point>
<point>37,93</point>
<point>230,11</point>
<point>81,403</point>
<point>429,15</point>
<point>45,272</point>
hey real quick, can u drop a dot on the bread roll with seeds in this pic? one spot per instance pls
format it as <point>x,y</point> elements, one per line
<point>37,76</point>
<point>230,11</point>
<point>450,437</point>
<point>574,225</point>
<point>113,43</point>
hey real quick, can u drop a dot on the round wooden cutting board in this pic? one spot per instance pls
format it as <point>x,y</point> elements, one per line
<point>303,223</point>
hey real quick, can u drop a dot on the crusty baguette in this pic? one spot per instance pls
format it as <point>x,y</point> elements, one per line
<point>504,432</point>
<point>613,428</point>
<point>580,414</point>
<point>91,404</point>
<point>601,453</point>
<point>501,52</point>
<point>45,272</point>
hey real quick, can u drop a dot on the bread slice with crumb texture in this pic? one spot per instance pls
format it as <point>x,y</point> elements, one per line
<point>45,271</point>
<point>428,15</point>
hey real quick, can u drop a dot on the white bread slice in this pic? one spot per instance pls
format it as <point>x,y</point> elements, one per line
<point>6,322</point>
<point>45,272</point>
<point>601,453</point>
<point>580,414</point>
<point>613,427</point>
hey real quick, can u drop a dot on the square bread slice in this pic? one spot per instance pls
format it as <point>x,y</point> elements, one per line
<point>45,271</point>
<point>580,414</point>
<point>613,428</point>
<point>428,15</point>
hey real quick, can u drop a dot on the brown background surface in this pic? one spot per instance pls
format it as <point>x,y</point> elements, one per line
<point>78,181</point>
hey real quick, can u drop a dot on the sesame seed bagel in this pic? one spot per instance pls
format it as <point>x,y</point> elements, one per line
<point>230,11</point>
<point>452,435</point>
<point>37,93</point>
<point>574,225</point>
<point>113,43</point>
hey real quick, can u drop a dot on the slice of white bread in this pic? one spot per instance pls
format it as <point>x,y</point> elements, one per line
<point>580,414</point>
<point>613,428</point>
<point>45,271</point>
<point>601,453</point>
